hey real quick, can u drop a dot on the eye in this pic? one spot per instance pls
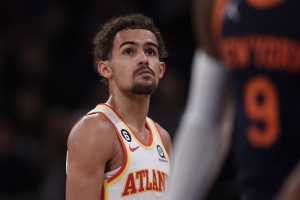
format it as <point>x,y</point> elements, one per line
<point>129,51</point>
<point>151,52</point>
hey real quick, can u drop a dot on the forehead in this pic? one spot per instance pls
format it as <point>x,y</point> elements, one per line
<point>138,36</point>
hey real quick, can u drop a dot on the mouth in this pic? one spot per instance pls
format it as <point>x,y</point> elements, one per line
<point>145,72</point>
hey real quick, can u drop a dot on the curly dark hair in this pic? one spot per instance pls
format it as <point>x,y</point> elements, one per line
<point>103,40</point>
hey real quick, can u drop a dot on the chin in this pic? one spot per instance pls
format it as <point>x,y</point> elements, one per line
<point>144,89</point>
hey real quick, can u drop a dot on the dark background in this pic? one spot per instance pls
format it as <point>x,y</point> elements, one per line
<point>47,82</point>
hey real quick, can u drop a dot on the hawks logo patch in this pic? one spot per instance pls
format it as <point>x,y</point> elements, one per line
<point>161,153</point>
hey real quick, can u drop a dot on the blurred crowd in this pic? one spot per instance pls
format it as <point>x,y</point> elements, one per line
<point>47,82</point>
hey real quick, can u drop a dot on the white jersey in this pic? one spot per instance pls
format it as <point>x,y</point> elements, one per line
<point>144,173</point>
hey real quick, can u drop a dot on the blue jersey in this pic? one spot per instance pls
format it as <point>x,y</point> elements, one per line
<point>259,43</point>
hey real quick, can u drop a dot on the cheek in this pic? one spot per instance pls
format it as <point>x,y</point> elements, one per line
<point>159,70</point>
<point>120,69</point>
<point>155,66</point>
<point>122,74</point>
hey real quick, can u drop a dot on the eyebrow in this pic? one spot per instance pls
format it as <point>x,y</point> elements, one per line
<point>134,43</point>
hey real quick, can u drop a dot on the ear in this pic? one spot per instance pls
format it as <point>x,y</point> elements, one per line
<point>162,69</point>
<point>104,69</point>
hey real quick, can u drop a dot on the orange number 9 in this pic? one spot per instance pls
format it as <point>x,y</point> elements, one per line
<point>264,110</point>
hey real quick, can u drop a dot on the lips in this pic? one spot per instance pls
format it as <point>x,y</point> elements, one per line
<point>145,72</point>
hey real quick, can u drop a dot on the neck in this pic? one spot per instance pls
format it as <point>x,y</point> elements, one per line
<point>132,108</point>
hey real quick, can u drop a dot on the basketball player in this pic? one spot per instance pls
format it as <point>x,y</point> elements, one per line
<point>116,151</point>
<point>258,43</point>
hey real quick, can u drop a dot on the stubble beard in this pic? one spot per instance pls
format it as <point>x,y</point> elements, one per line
<point>143,89</point>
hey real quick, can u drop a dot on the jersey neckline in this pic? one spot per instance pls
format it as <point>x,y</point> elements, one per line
<point>135,135</point>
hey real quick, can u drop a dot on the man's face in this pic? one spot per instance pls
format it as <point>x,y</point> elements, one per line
<point>135,62</point>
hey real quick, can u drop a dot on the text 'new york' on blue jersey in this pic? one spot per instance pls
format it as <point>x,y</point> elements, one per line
<point>259,43</point>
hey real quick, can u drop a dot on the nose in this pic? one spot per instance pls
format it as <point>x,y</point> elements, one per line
<point>142,58</point>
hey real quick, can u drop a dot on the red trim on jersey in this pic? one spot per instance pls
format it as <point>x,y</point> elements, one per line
<point>158,130</point>
<point>124,163</point>
<point>149,143</point>
<point>102,193</point>
<point>125,154</point>
<point>160,136</point>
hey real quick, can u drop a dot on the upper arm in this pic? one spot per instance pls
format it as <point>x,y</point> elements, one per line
<point>166,139</point>
<point>89,149</point>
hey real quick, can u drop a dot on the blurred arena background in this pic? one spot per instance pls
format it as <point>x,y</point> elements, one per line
<point>47,82</point>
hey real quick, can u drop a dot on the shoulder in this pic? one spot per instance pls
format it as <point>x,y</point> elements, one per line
<point>91,127</point>
<point>166,139</point>
<point>92,134</point>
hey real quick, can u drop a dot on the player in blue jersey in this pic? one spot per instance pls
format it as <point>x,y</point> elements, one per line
<point>258,44</point>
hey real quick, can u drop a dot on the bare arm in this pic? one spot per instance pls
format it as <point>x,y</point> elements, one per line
<point>90,147</point>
